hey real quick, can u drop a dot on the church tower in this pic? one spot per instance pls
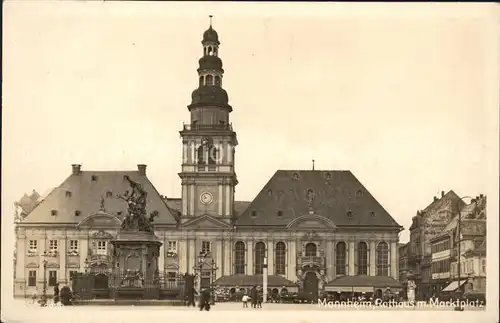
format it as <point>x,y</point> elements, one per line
<point>208,175</point>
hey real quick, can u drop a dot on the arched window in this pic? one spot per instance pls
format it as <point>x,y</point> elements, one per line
<point>311,249</point>
<point>340,259</point>
<point>260,253</point>
<point>239,258</point>
<point>382,259</point>
<point>209,79</point>
<point>201,155</point>
<point>280,258</point>
<point>217,80</point>
<point>213,155</point>
<point>201,80</point>
<point>210,51</point>
<point>215,51</point>
<point>362,258</point>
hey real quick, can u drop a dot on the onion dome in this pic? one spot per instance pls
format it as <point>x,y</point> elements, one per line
<point>210,63</point>
<point>209,95</point>
<point>210,35</point>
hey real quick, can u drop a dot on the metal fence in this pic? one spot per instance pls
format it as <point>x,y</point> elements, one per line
<point>126,285</point>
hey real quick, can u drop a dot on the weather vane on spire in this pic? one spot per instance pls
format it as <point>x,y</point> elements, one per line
<point>210,16</point>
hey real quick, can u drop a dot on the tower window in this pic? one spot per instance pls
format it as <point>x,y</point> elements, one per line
<point>201,155</point>
<point>210,51</point>
<point>217,80</point>
<point>254,214</point>
<point>201,80</point>
<point>209,79</point>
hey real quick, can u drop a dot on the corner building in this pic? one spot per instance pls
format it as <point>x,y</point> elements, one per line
<point>321,230</point>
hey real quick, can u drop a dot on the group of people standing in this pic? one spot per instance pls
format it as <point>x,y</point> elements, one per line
<point>256,297</point>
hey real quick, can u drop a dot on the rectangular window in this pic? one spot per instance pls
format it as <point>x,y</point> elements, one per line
<point>52,245</point>
<point>52,277</point>
<point>172,246</point>
<point>33,246</point>
<point>73,245</point>
<point>101,248</point>
<point>483,266</point>
<point>72,273</point>
<point>32,278</point>
<point>205,246</point>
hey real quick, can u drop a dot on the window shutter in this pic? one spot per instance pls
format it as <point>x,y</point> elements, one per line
<point>356,259</point>
<point>346,259</point>
<point>368,258</point>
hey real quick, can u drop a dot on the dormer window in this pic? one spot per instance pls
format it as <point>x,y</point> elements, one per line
<point>254,214</point>
<point>269,192</point>
<point>349,213</point>
<point>109,194</point>
<point>328,176</point>
<point>372,214</point>
<point>295,176</point>
<point>119,213</point>
<point>94,178</point>
<point>77,213</point>
<point>53,212</point>
<point>359,193</point>
<point>68,194</point>
<point>279,213</point>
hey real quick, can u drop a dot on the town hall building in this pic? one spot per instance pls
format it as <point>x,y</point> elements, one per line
<point>315,230</point>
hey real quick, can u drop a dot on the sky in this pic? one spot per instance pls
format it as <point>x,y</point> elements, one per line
<point>404,96</point>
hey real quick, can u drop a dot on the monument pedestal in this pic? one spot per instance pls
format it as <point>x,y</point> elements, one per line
<point>135,265</point>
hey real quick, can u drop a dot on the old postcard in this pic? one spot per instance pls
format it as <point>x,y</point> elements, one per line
<point>307,162</point>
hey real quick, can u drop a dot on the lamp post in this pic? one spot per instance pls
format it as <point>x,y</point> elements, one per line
<point>43,300</point>
<point>459,240</point>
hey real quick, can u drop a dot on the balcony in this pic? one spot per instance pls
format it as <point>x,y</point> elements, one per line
<point>311,261</point>
<point>207,127</point>
<point>99,259</point>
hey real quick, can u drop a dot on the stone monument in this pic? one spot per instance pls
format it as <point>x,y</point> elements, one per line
<point>136,250</point>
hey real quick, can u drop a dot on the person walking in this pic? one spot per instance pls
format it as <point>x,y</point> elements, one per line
<point>56,293</point>
<point>205,300</point>
<point>244,299</point>
<point>260,298</point>
<point>253,296</point>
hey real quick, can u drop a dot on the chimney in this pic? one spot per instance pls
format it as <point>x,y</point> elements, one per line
<point>76,168</point>
<point>435,198</point>
<point>481,195</point>
<point>141,168</point>
<point>442,194</point>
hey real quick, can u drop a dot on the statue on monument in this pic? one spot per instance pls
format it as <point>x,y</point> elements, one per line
<point>136,218</point>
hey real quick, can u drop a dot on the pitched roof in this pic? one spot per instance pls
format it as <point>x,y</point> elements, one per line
<point>253,280</point>
<point>361,280</point>
<point>449,201</point>
<point>335,193</point>
<point>84,192</point>
<point>176,204</point>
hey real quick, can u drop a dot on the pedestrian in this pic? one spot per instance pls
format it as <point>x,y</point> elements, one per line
<point>254,296</point>
<point>260,299</point>
<point>244,299</point>
<point>205,300</point>
<point>56,293</point>
<point>34,296</point>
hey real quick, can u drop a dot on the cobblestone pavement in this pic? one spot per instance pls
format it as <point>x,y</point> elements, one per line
<point>25,311</point>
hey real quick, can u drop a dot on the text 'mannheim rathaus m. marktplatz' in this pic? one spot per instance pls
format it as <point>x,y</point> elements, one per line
<point>315,230</point>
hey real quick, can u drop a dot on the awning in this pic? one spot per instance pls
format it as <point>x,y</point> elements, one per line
<point>453,286</point>
<point>346,289</point>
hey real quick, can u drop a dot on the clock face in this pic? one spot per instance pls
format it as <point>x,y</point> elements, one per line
<point>206,198</point>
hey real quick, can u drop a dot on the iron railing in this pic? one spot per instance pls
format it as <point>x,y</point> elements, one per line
<point>209,127</point>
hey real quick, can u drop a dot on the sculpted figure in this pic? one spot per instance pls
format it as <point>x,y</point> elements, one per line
<point>136,218</point>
